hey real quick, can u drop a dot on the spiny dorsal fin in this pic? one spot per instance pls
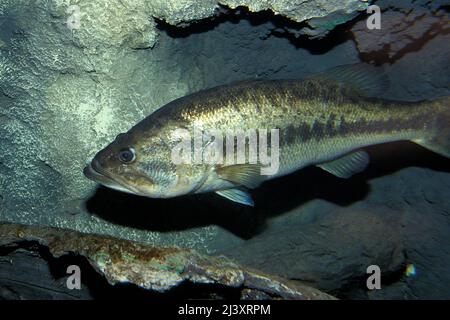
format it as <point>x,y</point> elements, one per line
<point>364,79</point>
<point>237,195</point>
<point>248,175</point>
<point>347,165</point>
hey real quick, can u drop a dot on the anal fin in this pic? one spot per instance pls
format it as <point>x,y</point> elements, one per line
<point>347,165</point>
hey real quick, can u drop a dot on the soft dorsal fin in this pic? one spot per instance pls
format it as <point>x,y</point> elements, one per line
<point>364,79</point>
<point>347,165</point>
<point>247,175</point>
<point>237,195</point>
<point>246,81</point>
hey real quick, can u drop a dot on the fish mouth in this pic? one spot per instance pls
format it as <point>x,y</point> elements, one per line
<point>95,172</point>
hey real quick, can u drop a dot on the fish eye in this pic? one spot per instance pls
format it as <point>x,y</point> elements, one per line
<point>127,155</point>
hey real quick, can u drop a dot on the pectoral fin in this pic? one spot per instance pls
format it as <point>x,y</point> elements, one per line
<point>247,175</point>
<point>237,195</point>
<point>347,165</point>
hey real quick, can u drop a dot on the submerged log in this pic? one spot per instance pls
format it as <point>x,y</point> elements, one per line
<point>34,262</point>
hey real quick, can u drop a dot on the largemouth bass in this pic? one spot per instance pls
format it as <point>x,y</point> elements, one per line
<point>323,120</point>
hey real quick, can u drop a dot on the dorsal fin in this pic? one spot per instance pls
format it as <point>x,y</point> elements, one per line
<point>364,79</point>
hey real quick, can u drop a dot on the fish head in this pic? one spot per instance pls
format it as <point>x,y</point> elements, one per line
<point>140,163</point>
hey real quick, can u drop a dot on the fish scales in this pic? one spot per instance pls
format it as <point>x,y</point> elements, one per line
<point>318,120</point>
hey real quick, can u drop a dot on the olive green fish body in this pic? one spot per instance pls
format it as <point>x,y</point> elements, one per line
<point>318,120</point>
<point>324,120</point>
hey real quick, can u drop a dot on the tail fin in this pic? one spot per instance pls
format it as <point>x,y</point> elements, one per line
<point>438,137</point>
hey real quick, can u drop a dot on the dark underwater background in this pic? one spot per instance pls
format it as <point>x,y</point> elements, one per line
<point>65,94</point>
